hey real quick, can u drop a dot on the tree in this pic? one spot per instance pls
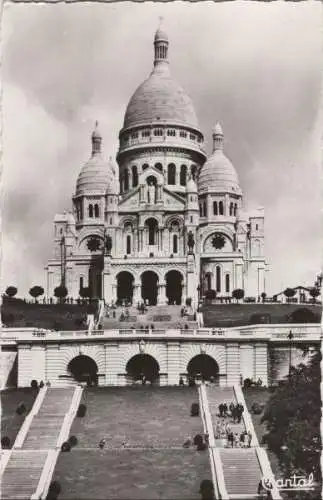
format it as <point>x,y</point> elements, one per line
<point>292,417</point>
<point>11,291</point>
<point>304,315</point>
<point>238,294</point>
<point>85,292</point>
<point>289,293</point>
<point>36,291</point>
<point>61,292</point>
<point>314,292</point>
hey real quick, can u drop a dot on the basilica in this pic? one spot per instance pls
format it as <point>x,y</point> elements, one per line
<point>163,223</point>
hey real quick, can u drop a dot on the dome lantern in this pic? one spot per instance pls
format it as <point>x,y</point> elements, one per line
<point>161,45</point>
<point>96,140</point>
<point>217,136</point>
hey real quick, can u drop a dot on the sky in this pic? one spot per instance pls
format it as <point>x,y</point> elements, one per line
<point>254,66</point>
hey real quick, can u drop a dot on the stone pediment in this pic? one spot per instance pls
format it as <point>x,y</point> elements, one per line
<point>131,201</point>
<point>173,201</point>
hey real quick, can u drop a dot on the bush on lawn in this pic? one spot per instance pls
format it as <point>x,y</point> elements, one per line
<point>72,441</point>
<point>5,442</point>
<point>207,489</point>
<point>21,409</point>
<point>54,490</point>
<point>257,408</point>
<point>81,411</point>
<point>247,383</point>
<point>198,440</point>
<point>34,384</point>
<point>201,446</point>
<point>195,410</point>
<point>66,446</point>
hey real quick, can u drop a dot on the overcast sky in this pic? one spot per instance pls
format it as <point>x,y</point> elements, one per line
<point>256,67</point>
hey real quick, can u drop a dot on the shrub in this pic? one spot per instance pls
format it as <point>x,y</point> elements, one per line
<point>81,411</point>
<point>21,409</point>
<point>207,489</point>
<point>257,408</point>
<point>61,292</point>
<point>34,384</point>
<point>247,383</point>
<point>66,446</point>
<point>257,319</point>
<point>201,446</point>
<point>210,294</point>
<point>41,384</point>
<point>198,440</point>
<point>11,291</point>
<point>195,410</point>
<point>7,318</point>
<point>73,441</point>
<point>5,442</point>
<point>238,294</point>
<point>54,490</point>
<point>85,292</point>
<point>36,291</point>
<point>304,315</point>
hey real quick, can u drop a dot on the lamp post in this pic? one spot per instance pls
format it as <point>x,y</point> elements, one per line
<point>290,338</point>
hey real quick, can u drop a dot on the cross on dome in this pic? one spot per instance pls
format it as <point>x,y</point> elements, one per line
<point>96,139</point>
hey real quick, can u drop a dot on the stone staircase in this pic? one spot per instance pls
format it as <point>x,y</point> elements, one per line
<point>22,474</point>
<point>241,470</point>
<point>24,469</point>
<point>216,396</point>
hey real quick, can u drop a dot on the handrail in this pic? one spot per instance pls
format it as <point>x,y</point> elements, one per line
<point>44,475</point>
<point>215,459</point>
<point>246,415</point>
<point>267,472</point>
<point>21,436</point>
<point>4,459</point>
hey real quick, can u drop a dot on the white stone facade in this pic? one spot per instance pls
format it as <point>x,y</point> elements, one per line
<point>161,191</point>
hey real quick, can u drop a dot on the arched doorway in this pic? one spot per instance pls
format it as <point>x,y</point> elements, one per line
<point>143,365</point>
<point>174,287</point>
<point>204,365</point>
<point>124,286</point>
<point>84,369</point>
<point>149,287</point>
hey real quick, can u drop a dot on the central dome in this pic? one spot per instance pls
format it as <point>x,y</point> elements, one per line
<point>159,98</point>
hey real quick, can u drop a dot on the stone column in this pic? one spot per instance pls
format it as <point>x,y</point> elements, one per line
<point>114,292</point>
<point>137,293</point>
<point>173,362</point>
<point>161,299</point>
<point>177,175</point>
<point>233,364</point>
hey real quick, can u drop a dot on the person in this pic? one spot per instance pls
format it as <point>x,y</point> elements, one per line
<point>181,381</point>
<point>217,430</point>
<point>221,409</point>
<point>231,438</point>
<point>143,379</point>
<point>236,440</point>
<point>102,443</point>
<point>225,409</point>
<point>249,439</point>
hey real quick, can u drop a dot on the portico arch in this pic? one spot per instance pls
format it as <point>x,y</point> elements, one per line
<point>174,280</point>
<point>125,281</point>
<point>149,287</point>
<point>143,365</point>
<point>204,365</point>
<point>83,369</point>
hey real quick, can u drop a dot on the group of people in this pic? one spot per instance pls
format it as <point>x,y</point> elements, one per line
<point>223,430</point>
<point>236,411</point>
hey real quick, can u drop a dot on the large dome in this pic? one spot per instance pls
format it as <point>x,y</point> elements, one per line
<point>218,174</point>
<point>159,98</point>
<point>96,174</point>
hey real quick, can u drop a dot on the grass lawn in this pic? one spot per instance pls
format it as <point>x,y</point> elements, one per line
<point>10,420</point>
<point>138,416</point>
<point>132,474</point>
<point>229,315</point>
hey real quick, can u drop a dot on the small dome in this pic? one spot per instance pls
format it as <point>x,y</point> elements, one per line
<point>94,176</point>
<point>161,36</point>
<point>191,186</point>
<point>218,174</point>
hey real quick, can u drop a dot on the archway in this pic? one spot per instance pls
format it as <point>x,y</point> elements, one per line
<point>204,365</point>
<point>174,287</point>
<point>124,286</point>
<point>84,369</point>
<point>143,365</point>
<point>149,287</point>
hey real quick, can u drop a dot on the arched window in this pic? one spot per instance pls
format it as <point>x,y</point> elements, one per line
<point>134,176</point>
<point>91,211</point>
<point>152,231</point>
<point>204,209</point>
<point>145,165</point>
<point>96,211</point>
<point>221,207</point>
<point>81,282</point>
<point>235,210</point>
<point>126,180</point>
<point>215,208</point>
<point>183,173</point>
<point>227,283</point>
<point>194,172</point>
<point>191,219</point>
<point>231,209</point>
<point>128,250</point>
<point>175,243</point>
<point>218,278</point>
<point>110,221</point>
<point>201,210</point>
<point>171,175</point>
<point>159,166</point>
